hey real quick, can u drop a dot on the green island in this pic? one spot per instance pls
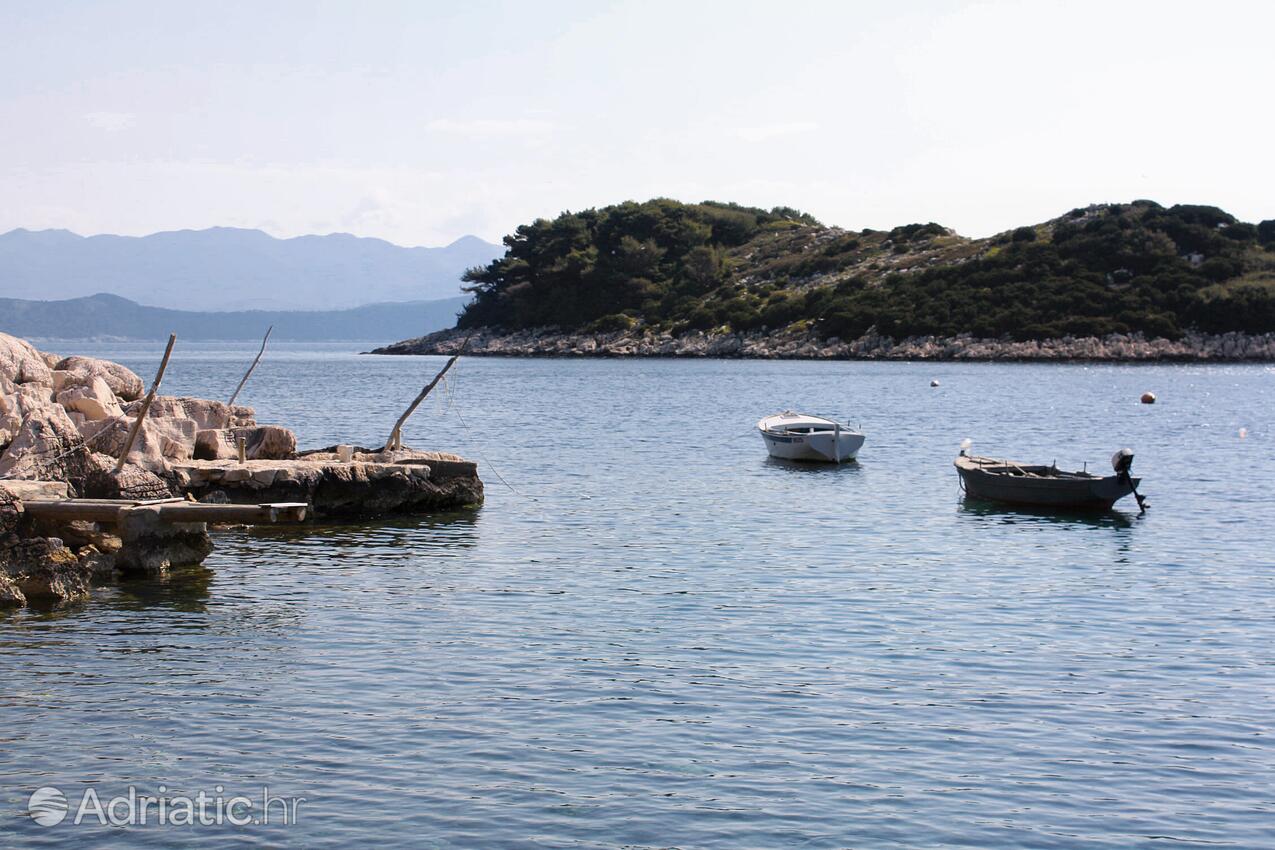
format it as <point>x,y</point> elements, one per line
<point>667,269</point>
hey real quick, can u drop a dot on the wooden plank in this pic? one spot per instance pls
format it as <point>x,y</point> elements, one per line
<point>179,510</point>
<point>74,509</point>
<point>247,514</point>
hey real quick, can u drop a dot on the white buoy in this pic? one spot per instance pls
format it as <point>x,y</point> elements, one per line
<point>934,383</point>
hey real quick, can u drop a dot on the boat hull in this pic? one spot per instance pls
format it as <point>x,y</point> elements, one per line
<point>1080,492</point>
<point>819,447</point>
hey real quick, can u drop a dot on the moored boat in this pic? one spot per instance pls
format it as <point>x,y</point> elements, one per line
<point>1017,483</point>
<point>800,436</point>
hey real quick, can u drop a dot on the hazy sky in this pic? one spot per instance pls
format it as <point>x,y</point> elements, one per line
<point>418,122</point>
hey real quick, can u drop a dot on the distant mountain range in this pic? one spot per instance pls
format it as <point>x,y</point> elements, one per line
<point>111,316</point>
<point>225,268</point>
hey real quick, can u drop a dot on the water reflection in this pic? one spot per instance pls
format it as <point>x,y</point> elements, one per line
<point>807,467</point>
<point>183,589</point>
<point>454,528</point>
<point>1017,514</point>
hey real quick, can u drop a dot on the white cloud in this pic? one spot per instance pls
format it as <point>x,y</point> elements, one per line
<point>110,122</point>
<point>491,127</point>
<point>766,132</point>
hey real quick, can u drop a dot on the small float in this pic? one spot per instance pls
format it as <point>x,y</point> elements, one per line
<point>800,436</point>
<point>1017,483</point>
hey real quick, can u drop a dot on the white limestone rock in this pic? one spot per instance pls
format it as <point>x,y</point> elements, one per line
<point>123,382</point>
<point>38,447</point>
<point>21,363</point>
<point>93,398</point>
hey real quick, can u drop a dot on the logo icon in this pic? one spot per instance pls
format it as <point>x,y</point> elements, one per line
<point>47,806</point>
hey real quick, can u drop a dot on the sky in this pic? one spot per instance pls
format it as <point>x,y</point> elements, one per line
<point>419,122</point>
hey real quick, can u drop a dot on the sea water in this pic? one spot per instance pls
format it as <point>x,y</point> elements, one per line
<point>651,635</point>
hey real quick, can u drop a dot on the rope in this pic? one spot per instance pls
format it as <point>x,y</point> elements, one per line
<point>479,449</point>
<point>449,383</point>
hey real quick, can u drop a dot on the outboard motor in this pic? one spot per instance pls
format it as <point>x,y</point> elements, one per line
<point>1121,461</point>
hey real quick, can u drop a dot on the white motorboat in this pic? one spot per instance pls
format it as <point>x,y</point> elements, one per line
<point>799,436</point>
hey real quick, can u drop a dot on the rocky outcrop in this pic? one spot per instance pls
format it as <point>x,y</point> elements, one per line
<point>123,382</point>
<point>21,363</point>
<point>803,345</point>
<point>49,562</point>
<point>68,420</point>
<point>373,484</point>
<point>35,568</point>
<point>93,400</point>
<point>48,447</point>
<point>64,422</point>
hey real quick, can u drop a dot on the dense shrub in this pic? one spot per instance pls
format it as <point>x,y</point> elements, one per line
<point>1266,231</point>
<point>1115,268</point>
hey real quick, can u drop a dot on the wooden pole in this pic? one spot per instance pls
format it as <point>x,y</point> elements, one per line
<point>231,403</point>
<point>396,436</point>
<point>146,403</point>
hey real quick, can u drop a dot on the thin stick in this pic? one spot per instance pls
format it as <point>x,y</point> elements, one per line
<point>231,403</point>
<point>146,403</point>
<point>396,436</point>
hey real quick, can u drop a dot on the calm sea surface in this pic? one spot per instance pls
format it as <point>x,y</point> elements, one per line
<point>655,637</point>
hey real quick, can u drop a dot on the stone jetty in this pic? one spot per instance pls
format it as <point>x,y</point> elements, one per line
<point>64,423</point>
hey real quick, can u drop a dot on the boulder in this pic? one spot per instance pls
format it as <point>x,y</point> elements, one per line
<point>22,489</point>
<point>242,416</point>
<point>10,594</point>
<point>93,398</point>
<point>41,568</point>
<point>131,482</point>
<point>10,514</point>
<point>21,363</point>
<point>159,440</point>
<point>123,382</point>
<point>205,413</point>
<point>262,442</point>
<point>214,444</point>
<point>19,400</point>
<point>48,448</point>
<point>266,442</point>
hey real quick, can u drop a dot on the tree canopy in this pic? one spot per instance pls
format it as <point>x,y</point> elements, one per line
<point>1136,267</point>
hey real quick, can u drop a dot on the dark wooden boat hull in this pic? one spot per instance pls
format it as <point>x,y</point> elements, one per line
<point>994,484</point>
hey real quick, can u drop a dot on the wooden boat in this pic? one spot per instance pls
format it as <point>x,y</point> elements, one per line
<point>1025,484</point>
<point>799,436</point>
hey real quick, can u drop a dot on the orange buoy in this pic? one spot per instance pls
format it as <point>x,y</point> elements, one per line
<point>1148,398</point>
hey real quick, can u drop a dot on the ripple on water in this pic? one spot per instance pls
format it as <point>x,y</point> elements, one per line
<point>667,640</point>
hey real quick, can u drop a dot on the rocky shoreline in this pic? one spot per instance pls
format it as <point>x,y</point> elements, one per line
<point>797,345</point>
<point>64,423</point>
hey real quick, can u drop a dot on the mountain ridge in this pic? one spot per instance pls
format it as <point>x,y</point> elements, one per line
<point>107,315</point>
<point>225,268</point>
